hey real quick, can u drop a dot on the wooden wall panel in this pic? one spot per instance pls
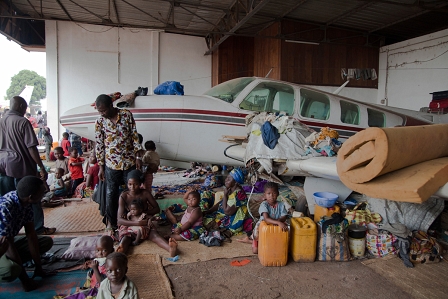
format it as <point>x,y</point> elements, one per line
<point>321,64</point>
<point>267,54</point>
<point>234,59</point>
<point>298,63</point>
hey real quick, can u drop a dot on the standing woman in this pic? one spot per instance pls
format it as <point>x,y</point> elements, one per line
<point>231,211</point>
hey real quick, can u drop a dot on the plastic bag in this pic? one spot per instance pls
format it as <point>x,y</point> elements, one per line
<point>169,88</point>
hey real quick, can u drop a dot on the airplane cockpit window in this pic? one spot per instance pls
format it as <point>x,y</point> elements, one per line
<point>349,113</point>
<point>270,97</point>
<point>228,91</point>
<point>376,118</point>
<point>314,104</point>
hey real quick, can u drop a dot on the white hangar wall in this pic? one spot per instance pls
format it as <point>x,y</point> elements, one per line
<point>410,70</point>
<point>84,61</point>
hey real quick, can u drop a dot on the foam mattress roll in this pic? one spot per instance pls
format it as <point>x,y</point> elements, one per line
<point>377,151</point>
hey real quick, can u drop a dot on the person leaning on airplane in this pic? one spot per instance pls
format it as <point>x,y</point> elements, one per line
<point>118,151</point>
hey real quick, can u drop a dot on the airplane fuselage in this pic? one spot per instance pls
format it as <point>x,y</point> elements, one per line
<point>188,128</point>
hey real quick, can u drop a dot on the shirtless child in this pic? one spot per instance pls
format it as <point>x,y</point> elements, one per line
<point>149,206</point>
<point>137,233</point>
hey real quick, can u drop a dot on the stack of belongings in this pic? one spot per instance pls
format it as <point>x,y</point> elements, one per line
<point>406,164</point>
<point>275,136</point>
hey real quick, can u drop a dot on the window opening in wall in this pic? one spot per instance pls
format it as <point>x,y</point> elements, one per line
<point>349,113</point>
<point>314,104</point>
<point>270,97</point>
<point>376,118</point>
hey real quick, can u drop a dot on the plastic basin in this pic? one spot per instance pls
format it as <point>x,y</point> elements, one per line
<point>325,199</point>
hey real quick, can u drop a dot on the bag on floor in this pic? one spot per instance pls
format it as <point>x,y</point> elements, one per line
<point>380,244</point>
<point>362,216</point>
<point>333,243</point>
<point>424,248</point>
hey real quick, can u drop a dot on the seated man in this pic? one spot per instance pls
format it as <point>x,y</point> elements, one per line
<point>16,212</point>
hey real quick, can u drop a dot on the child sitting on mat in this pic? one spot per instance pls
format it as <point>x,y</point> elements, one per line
<point>97,272</point>
<point>271,211</point>
<point>75,167</point>
<point>58,184</point>
<point>117,285</point>
<point>190,226</point>
<point>137,233</point>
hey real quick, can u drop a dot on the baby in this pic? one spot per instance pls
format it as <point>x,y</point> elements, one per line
<point>190,226</point>
<point>117,285</point>
<point>137,233</point>
<point>97,272</point>
<point>58,184</point>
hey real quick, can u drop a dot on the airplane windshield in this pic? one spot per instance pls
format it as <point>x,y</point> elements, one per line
<point>228,91</point>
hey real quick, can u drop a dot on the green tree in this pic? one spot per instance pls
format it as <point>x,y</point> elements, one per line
<point>27,77</point>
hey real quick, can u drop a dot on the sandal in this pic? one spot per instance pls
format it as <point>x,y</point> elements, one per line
<point>47,231</point>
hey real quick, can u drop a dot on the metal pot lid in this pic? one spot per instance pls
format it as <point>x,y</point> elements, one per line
<point>357,228</point>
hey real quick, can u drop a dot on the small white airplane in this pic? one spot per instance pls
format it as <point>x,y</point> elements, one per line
<point>188,128</point>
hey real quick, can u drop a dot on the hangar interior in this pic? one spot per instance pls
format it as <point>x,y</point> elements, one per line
<point>306,42</point>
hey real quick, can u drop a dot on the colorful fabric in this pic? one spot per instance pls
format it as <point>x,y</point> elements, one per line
<point>235,222</point>
<point>191,233</point>
<point>91,281</point>
<point>362,216</point>
<point>238,175</point>
<point>380,244</point>
<point>117,144</point>
<point>13,214</point>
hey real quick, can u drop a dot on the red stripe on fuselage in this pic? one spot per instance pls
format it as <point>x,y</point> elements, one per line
<point>184,111</point>
<point>165,119</point>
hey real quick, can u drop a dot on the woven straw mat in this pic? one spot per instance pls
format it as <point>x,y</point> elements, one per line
<point>147,272</point>
<point>74,218</point>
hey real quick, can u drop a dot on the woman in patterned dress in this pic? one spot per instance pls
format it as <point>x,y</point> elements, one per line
<point>231,211</point>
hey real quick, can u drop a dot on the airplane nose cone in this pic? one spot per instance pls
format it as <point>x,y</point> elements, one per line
<point>80,120</point>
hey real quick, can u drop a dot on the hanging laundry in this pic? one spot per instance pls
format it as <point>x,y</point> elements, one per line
<point>374,76</point>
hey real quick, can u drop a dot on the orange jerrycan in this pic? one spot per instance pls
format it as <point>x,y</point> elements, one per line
<point>321,211</point>
<point>272,245</point>
<point>303,239</point>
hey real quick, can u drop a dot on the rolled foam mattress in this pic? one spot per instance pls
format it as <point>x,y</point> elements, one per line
<point>403,164</point>
<point>377,151</point>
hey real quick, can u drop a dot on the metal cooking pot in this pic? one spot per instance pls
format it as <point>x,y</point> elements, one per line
<point>357,231</point>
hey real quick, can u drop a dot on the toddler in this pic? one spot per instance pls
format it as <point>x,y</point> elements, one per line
<point>97,272</point>
<point>48,143</point>
<point>92,178</point>
<point>151,162</point>
<point>117,285</point>
<point>75,167</point>
<point>65,144</point>
<point>271,211</point>
<point>58,184</point>
<point>137,233</point>
<point>190,226</point>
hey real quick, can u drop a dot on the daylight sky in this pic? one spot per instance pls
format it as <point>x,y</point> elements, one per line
<point>13,59</point>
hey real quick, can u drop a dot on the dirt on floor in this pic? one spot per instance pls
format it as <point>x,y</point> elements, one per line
<point>218,279</point>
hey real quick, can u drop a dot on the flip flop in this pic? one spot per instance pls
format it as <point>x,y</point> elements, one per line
<point>241,263</point>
